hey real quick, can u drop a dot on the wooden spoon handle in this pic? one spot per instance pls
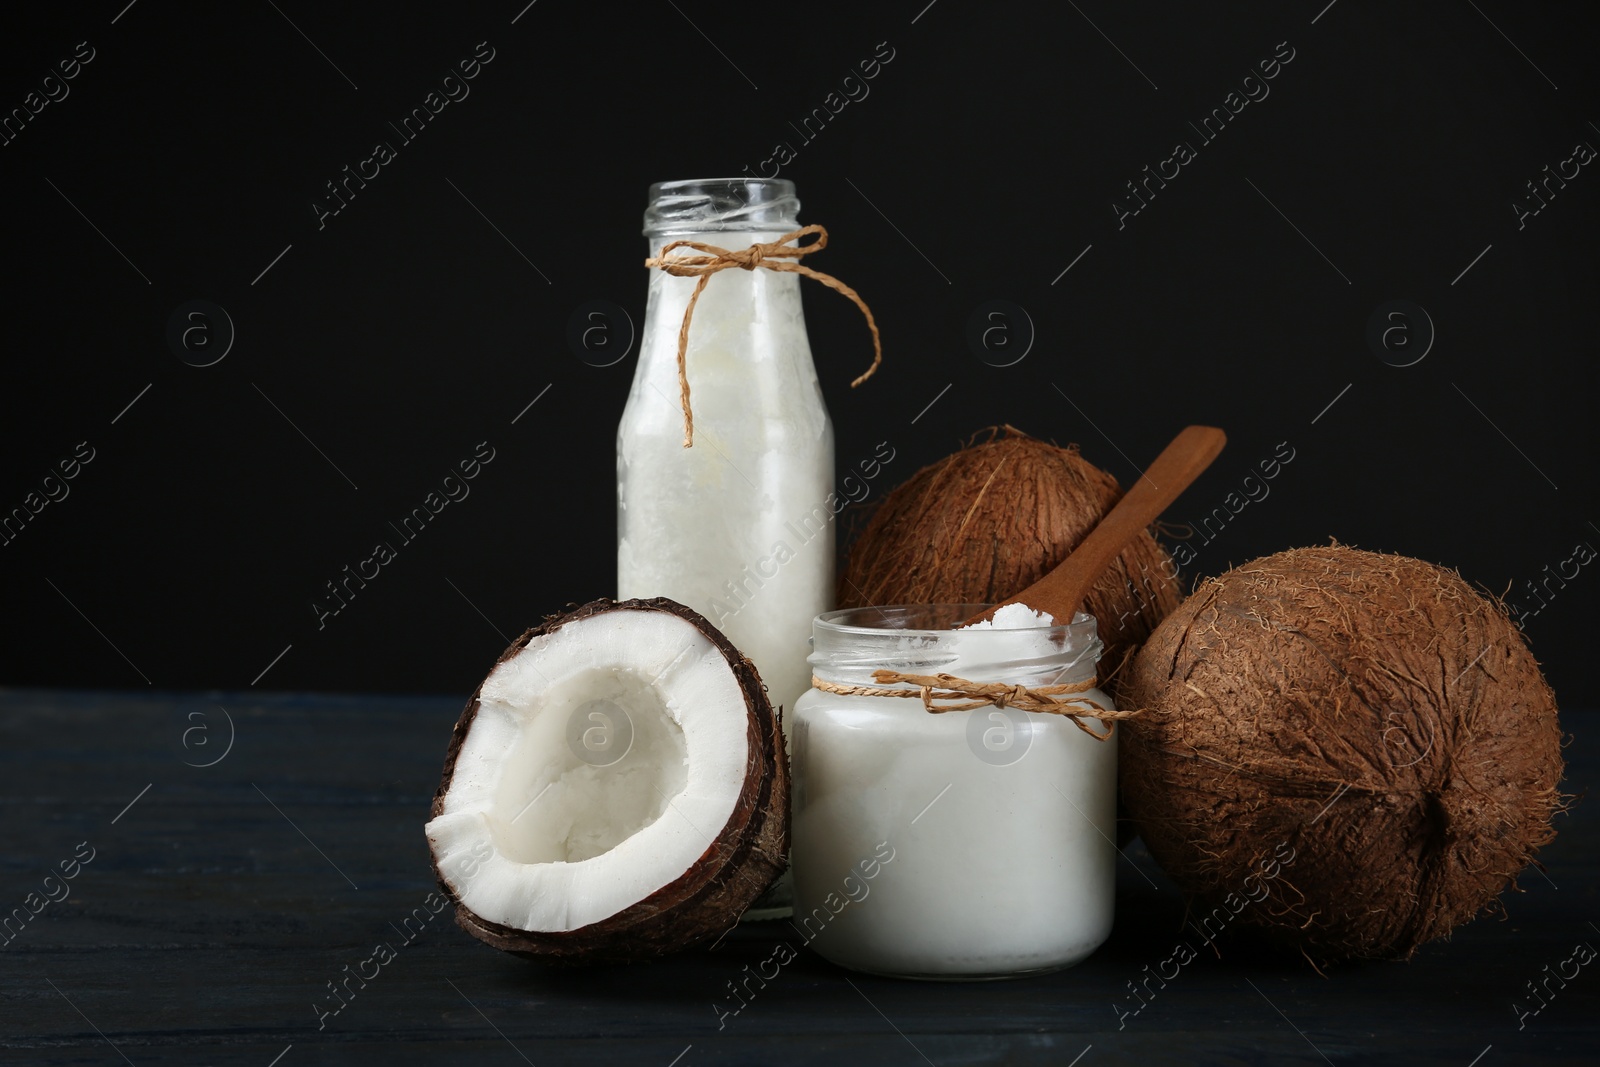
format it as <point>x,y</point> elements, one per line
<point>1061,592</point>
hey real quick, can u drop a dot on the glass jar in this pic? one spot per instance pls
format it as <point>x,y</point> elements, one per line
<point>738,526</point>
<point>960,845</point>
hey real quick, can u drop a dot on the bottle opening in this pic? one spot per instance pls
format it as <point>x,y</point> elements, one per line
<point>719,205</point>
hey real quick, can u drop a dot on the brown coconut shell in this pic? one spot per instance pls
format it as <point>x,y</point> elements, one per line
<point>985,523</point>
<point>749,854</point>
<point>1371,716</point>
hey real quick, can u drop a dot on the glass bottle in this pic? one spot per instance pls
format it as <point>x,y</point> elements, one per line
<point>738,526</point>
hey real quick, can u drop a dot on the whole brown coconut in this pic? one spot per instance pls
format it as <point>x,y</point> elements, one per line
<point>987,522</point>
<point>1361,735</point>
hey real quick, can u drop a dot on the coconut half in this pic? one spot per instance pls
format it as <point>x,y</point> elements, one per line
<point>616,789</point>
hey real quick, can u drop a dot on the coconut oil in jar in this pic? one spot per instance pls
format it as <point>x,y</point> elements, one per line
<point>996,822</point>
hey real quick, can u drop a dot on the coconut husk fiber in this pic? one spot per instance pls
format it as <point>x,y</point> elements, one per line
<point>985,523</point>
<point>1371,716</point>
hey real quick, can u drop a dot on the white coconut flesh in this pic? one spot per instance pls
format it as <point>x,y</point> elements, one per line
<point>530,835</point>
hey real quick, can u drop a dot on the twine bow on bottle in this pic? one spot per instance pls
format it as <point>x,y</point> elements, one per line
<point>777,255</point>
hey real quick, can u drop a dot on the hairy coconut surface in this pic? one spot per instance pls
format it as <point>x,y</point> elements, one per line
<point>987,522</point>
<point>741,859</point>
<point>1371,717</point>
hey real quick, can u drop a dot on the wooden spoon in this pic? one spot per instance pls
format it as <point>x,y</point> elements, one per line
<point>1060,593</point>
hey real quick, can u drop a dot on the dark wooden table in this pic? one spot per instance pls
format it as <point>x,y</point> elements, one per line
<point>221,900</point>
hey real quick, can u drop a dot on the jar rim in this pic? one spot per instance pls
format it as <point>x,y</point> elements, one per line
<point>938,619</point>
<point>850,643</point>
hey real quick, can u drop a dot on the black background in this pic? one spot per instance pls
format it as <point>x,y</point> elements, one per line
<point>991,147</point>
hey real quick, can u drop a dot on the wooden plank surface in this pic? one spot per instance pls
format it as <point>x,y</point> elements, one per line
<point>219,905</point>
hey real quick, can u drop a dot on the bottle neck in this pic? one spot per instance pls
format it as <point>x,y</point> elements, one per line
<point>748,354</point>
<point>732,240</point>
<point>754,304</point>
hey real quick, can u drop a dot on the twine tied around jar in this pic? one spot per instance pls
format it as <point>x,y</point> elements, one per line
<point>777,255</point>
<point>931,687</point>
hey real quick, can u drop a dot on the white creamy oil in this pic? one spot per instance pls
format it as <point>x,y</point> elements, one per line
<point>1001,821</point>
<point>738,526</point>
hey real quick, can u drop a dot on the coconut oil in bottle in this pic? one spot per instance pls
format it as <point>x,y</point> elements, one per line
<point>737,526</point>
